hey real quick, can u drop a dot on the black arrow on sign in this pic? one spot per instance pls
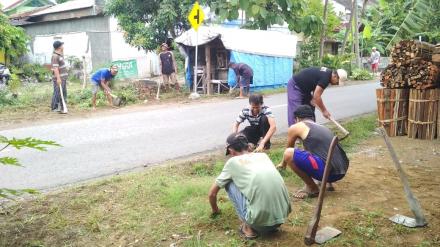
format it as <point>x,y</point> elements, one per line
<point>197,17</point>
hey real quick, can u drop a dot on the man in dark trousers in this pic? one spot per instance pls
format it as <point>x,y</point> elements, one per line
<point>168,67</point>
<point>307,87</point>
<point>244,76</point>
<point>261,120</point>
<point>309,163</point>
<point>59,77</point>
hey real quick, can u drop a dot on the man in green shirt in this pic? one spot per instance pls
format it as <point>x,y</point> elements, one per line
<point>255,188</point>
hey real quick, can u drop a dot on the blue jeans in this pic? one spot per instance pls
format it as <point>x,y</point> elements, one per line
<point>239,201</point>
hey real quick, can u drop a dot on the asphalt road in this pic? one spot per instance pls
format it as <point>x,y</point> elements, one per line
<point>105,145</point>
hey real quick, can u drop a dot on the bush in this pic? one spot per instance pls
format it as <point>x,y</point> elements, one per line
<point>14,84</point>
<point>7,99</point>
<point>337,61</point>
<point>361,74</point>
<point>33,70</point>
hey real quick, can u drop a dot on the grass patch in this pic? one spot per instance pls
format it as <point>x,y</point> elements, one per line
<point>168,205</point>
<point>360,129</point>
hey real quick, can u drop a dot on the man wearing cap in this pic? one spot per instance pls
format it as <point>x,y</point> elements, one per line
<point>374,59</point>
<point>255,188</point>
<point>307,87</point>
<point>309,163</point>
<point>168,67</point>
<point>261,120</point>
<point>101,79</point>
<point>244,76</point>
<point>59,76</point>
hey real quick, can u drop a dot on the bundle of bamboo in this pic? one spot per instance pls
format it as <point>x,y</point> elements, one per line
<point>423,113</point>
<point>392,110</point>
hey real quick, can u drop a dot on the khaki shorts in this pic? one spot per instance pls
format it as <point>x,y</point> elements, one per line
<point>167,78</point>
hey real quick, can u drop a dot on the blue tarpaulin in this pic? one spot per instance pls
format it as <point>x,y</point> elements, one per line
<point>269,72</point>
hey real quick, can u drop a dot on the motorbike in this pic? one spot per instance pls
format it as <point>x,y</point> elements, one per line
<point>5,74</point>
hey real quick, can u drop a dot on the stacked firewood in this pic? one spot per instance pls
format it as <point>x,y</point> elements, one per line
<point>411,66</point>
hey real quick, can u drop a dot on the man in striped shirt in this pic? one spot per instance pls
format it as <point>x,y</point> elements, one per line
<point>59,76</point>
<point>261,120</point>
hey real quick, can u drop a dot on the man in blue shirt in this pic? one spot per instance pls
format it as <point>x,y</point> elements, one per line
<point>101,79</point>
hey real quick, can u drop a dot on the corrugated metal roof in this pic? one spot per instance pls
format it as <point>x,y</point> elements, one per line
<point>28,13</point>
<point>67,6</point>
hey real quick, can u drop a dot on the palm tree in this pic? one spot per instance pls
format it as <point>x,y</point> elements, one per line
<point>415,21</point>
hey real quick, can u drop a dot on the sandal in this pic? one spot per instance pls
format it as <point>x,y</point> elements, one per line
<point>303,194</point>
<point>247,237</point>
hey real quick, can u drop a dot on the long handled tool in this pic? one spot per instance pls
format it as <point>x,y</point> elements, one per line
<point>312,235</point>
<point>420,220</point>
<point>62,99</point>
<point>344,131</point>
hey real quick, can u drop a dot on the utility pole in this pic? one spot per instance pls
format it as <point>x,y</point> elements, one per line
<point>356,34</point>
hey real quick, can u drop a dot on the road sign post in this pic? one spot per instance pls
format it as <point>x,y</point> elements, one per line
<point>195,18</point>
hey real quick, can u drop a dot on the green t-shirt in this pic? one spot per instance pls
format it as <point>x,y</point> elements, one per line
<point>257,178</point>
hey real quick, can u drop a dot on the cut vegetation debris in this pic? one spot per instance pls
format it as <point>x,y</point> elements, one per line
<point>168,205</point>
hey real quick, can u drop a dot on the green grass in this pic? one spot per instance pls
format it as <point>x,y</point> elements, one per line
<point>168,205</point>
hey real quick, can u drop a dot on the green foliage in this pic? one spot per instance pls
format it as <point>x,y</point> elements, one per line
<point>34,70</point>
<point>13,39</point>
<point>393,20</point>
<point>14,84</point>
<point>261,14</point>
<point>29,142</point>
<point>315,9</point>
<point>361,74</point>
<point>336,62</point>
<point>128,94</point>
<point>308,55</point>
<point>6,98</point>
<point>415,21</point>
<point>164,17</point>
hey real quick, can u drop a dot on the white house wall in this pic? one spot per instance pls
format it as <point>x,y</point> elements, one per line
<point>146,61</point>
<point>76,44</point>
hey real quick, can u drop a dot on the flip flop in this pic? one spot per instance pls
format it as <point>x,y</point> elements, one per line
<point>247,237</point>
<point>306,194</point>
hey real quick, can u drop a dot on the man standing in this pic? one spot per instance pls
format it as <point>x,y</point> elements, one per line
<point>307,87</point>
<point>101,79</point>
<point>261,120</point>
<point>309,164</point>
<point>375,59</point>
<point>255,188</point>
<point>168,67</point>
<point>59,77</point>
<point>244,76</point>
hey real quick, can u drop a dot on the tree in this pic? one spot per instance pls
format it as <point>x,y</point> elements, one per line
<point>393,20</point>
<point>321,46</point>
<point>13,40</point>
<point>11,161</point>
<point>261,14</point>
<point>146,24</point>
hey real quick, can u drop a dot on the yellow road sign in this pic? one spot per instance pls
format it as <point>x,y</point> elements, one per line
<point>196,16</point>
